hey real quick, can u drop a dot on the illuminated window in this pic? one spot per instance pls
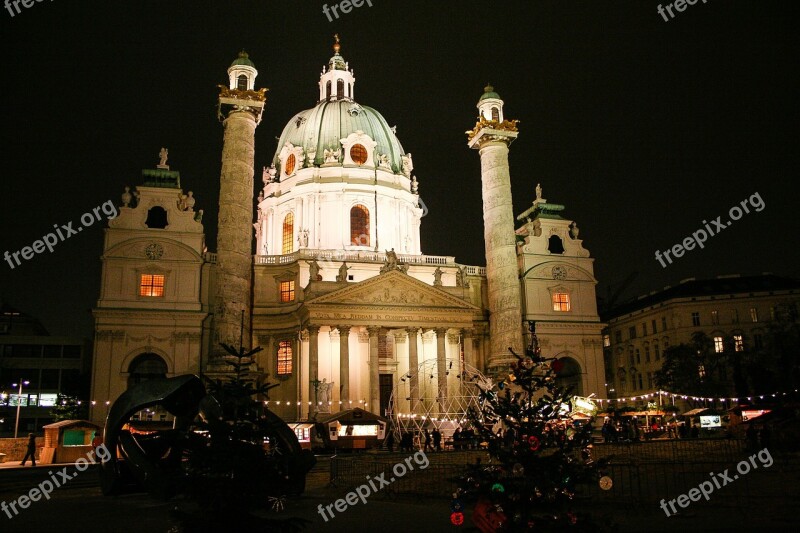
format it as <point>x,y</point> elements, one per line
<point>287,291</point>
<point>241,83</point>
<point>606,341</point>
<point>495,114</point>
<point>359,226</point>
<point>288,234</point>
<point>715,317</point>
<point>151,285</point>
<point>754,314</point>
<point>289,165</point>
<point>285,358</point>
<point>358,154</point>
<point>560,301</point>
<point>718,345</point>
<point>738,343</point>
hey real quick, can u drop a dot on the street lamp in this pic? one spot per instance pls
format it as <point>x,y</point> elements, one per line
<point>19,403</point>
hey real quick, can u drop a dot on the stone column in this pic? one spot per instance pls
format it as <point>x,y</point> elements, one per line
<point>441,366</point>
<point>374,368</point>
<point>235,231</point>
<point>466,338</point>
<point>502,276</point>
<point>413,366</point>
<point>344,365</point>
<point>313,366</point>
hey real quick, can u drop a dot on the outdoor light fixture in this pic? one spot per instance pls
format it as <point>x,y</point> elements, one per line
<point>19,403</point>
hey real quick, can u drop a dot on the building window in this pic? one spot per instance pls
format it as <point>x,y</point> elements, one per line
<point>718,345</point>
<point>638,356</point>
<point>241,82</point>
<point>560,301</point>
<point>754,314</point>
<point>695,319</point>
<point>644,329</point>
<point>666,343</point>
<point>631,362</point>
<point>285,358</point>
<point>657,351</point>
<point>647,354</point>
<point>632,332</point>
<point>641,385</point>
<point>651,381</point>
<point>288,234</point>
<point>738,343</point>
<point>328,90</point>
<point>287,291</point>
<point>156,218</point>
<point>758,341</point>
<point>653,324</point>
<point>555,245</point>
<point>359,226</point>
<point>618,337</point>
<point>340,88</point>
<point>663,323</point>
<point>288,166</point>
<point>715,317</point>
<point>495,114</point>
<point>151,285</point>
<point>358,154</point>
<point>606,341</point>
<point>735,316</point>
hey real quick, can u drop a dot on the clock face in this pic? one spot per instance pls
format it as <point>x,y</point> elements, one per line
<point>154,251</point>
<point>606,483</point>
<point>559,272</point>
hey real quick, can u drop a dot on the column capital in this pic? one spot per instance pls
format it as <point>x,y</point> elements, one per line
<point>313,330</point>
<point>412,330</point>
<point>374,331</point>
<point>440,331</point>
<point>344,329</point>
<point>467,332</point>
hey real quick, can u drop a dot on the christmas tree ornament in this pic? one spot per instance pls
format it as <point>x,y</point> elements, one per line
<point>457,518</point>
<point>606,483</point>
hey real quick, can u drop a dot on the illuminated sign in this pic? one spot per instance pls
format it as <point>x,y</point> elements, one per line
<point>710,421</point>
<point>751,414</point>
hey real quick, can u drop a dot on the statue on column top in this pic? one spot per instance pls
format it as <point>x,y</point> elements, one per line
<point>437,277</point>
<point>163,155</point>
<point>342,276</point>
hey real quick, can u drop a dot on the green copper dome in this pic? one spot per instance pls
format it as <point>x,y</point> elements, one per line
<point>323,126</point>
<point>488,92</point>
<point>243,59</point>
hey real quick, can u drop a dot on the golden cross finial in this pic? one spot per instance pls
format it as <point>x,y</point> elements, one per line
<point>336,36</point>
<point>337,46</point>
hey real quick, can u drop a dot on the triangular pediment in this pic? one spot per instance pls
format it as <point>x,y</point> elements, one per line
<point>393,289</point>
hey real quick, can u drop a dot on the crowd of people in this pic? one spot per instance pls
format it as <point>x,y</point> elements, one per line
<point>432,440</point>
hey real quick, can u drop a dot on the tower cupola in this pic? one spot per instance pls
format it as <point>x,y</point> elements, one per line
<point>490,105</point>
<point>337,80</point>
<point>242,73</point>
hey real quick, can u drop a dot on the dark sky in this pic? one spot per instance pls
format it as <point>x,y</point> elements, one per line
<point>642,128</point>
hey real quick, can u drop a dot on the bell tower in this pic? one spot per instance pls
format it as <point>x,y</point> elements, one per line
<point>491,136</point>
<point>239,110</point>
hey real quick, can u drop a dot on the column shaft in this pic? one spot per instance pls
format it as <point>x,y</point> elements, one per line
<point>344,365</point>
<point>413,367</point>
<point>313,366</point>
<point>374,368</point>
<point>441,366</point>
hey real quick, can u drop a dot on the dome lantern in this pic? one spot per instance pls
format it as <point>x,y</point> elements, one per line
<point>336,81</point>
<point>490,105</point>
<point>242,73</point>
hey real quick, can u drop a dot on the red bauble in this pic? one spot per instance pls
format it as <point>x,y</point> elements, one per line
<point>533,442</point>
<point>457,518</point>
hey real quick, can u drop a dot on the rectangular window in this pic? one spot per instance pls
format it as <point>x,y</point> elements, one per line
<point>754,314</point>
<point>718,345</point>
<point>695,319</point>
<point>663,323</point>
<point>758,341</point>
<point>638,356</point>
<point>658,351</point>
<point>606,341</point>
<point>618,337</point>
<point>151,285</point>
<point>287,291</point>
<point>651,381</point>
<point>738,343</point>
<point>560,301</point>
<point>632,332</point>
<point>653,324</point>
<point>285,358</point>
<point>715,317</point>
<point>644,329</point>
<point>641,385</point>
<point>647,354</point>
<point>630,358</point>
<point>735,316</point>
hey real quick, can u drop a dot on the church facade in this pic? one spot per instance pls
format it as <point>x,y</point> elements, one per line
<point>339,294</point>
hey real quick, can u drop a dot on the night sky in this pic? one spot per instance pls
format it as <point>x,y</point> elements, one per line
<point>642,128</point>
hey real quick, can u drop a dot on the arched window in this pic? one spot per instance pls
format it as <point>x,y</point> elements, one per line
<point>358,154</point>
<point>328,89</point>
<point>495,114</point>
<point>287,241</point>
<point>359,225</point>
<point>156,218</point>
<point>285,358</point>
<point>241,82</point>
<point>340,88</point>
<point>145,367</point>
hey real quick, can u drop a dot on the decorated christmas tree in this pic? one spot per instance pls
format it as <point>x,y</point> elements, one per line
<point>539,454</point>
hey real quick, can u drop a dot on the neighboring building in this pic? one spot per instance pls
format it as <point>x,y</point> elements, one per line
<point>339,294</point>
<point>731,310</point>
<point>50,365</point>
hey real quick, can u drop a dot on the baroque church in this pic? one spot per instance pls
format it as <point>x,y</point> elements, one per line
<point>338,294</point>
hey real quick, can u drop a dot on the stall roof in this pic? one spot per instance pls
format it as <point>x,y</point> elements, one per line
<point>355,415</point>
<point>71,423</point>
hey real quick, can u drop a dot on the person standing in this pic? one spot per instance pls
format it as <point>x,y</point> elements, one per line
<point>390,441</point>
<point>427,440</point>
<point>31,450</point>
<point>437,440</point>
